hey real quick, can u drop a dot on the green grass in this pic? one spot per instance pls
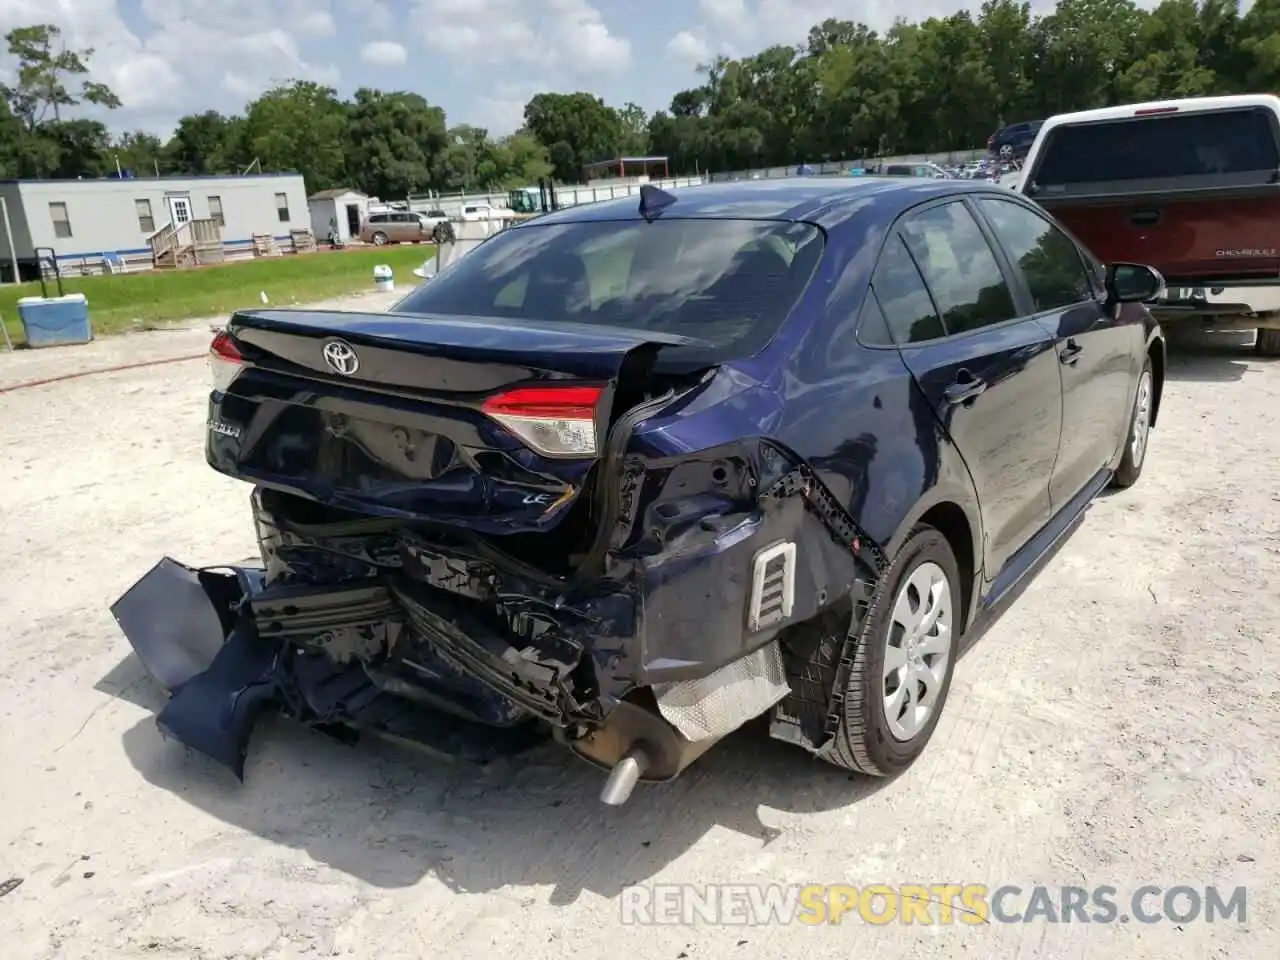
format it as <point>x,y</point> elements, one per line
<point>135,301</point>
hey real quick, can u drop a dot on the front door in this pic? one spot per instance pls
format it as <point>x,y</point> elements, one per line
<point>353,220</point>
<point>1096,351</point>
<point>991,377</point>
<point>179,211</point>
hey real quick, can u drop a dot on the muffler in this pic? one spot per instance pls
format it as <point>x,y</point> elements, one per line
<point>636,745</point>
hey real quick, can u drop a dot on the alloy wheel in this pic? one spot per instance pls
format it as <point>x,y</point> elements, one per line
<point>1141,421</point>
<point>918,648</point>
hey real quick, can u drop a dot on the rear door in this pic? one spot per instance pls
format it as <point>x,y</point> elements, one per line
<point>990,375</point>
<point>408,227</point>
<point>1097,350</point>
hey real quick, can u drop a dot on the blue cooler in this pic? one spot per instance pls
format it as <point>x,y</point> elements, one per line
<point>53,321</point>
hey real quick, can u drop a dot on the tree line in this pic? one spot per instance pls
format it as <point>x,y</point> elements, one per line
<point>847,91</point>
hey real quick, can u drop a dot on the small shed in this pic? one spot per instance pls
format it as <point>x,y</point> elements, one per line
<point>341,209</point>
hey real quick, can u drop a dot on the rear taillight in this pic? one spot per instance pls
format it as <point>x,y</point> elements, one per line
<point>225,361</point>
<point>554,421</point>
<point>1148,111</point>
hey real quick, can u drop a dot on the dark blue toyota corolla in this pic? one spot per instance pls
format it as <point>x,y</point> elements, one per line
<point>634,473</point>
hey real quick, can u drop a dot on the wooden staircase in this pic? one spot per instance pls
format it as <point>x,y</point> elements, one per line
<point>191,244</point>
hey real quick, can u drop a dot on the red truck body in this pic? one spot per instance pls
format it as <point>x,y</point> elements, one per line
<point>1189,187</point>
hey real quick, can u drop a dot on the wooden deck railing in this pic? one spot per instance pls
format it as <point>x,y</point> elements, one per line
<point>193,242</point>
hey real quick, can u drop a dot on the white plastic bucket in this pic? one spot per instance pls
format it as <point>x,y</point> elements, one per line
<point>383,278</point>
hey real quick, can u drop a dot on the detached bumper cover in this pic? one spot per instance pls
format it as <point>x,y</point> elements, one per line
<point>195,635</point>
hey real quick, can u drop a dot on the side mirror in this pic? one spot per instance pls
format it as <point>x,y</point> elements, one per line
<point>1133,283</point>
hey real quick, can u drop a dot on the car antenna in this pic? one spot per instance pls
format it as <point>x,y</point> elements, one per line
<point>653,201</point>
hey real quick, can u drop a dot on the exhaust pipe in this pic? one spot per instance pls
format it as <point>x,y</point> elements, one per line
<point>636,745</point>
<point>624,777</point>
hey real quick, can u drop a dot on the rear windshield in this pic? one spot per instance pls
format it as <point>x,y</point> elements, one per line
<point>728,282</point>
<point>1222,142</point>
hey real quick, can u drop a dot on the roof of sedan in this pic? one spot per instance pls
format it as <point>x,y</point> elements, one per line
<point>795,198</point>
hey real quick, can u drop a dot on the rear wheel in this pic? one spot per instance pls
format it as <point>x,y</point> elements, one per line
<point>1135,444</point>
<point>1268,343</point>
<point>380,239</point>
<point>903,660</point>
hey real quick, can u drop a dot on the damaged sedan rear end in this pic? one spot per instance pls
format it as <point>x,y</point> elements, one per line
<point>592,483</point>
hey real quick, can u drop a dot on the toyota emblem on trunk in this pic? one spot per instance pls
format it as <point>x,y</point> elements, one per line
<point>341,357</point>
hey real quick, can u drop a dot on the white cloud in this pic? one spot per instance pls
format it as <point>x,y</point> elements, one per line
<point>724,13</point>
<point>372,14</point>
<point>568,37</point>
<point>317,23</point>
<point>188,57</point>
<point>688,49</point>
<point>502,111</point>
<point>384,53</point>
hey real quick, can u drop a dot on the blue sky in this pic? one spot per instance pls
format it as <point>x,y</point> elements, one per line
<point>480,60</point>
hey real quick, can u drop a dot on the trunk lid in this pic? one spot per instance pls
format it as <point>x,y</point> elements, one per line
<point>490,425</point>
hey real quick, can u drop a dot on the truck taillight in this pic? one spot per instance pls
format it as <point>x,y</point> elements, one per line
<point>554,421</point>
<point>225,361</point>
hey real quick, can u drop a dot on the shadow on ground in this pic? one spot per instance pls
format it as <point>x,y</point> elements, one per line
<point>389,816</point>
<point>1201,357</point>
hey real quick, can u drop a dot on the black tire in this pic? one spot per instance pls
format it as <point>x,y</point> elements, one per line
<point>864,742</point>
<point>1268,343</point>
<point>1130,468</point>
<point>442,233</point>
<point>380,239</point>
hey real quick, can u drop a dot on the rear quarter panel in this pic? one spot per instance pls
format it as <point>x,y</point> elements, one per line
<point>851,412</point>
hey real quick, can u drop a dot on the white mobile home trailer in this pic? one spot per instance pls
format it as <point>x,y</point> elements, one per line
<point>88,222</point>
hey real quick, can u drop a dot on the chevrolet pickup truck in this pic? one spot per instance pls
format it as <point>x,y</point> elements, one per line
<point>1191,187</point>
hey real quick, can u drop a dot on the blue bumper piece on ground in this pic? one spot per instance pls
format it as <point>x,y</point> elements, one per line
<point>187,628</point>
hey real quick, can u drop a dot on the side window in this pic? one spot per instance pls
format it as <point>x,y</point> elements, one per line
<point>873,326</point>
<point>1049,260</point>
<point>959,268</point>
<point>908,310</point>
<point>378,218</point>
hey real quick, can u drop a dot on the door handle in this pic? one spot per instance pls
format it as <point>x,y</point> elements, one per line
<point>1071,353</point>
<point>965,388</point>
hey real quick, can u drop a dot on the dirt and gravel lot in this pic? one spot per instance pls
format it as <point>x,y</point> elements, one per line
<point>1121,726</point>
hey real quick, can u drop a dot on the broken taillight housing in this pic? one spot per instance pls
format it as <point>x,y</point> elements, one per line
<point>225,361</point>
<point>554,421</point>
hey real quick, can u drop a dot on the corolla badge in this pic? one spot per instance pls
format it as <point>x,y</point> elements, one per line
<point>341,357</point>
